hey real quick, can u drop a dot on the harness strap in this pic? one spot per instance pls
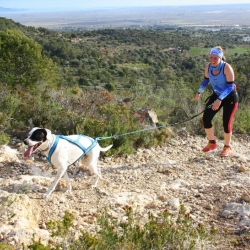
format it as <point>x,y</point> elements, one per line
<point>52,149</point>
<point>75,142</point>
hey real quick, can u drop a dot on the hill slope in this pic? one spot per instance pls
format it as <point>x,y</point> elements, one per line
<point>211,187</point>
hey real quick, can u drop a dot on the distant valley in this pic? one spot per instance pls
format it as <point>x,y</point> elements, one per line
<point>140,17</point>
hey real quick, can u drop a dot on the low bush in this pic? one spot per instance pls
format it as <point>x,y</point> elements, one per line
<point>163,231</point>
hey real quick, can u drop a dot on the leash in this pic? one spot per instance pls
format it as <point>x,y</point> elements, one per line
<point>151,128</point>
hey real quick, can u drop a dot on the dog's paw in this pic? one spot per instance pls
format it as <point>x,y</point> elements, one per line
<point>46,195</point>
<point>68,191</point>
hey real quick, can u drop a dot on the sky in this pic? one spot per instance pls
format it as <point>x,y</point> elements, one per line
<point>89,4</point>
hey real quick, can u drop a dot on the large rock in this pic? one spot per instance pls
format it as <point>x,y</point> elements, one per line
<point>19,216</point>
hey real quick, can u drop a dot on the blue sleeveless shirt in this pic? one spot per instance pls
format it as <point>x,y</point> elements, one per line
<point>219,82</point>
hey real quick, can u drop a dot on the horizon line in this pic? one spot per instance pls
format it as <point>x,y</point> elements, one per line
<point>110,7</point>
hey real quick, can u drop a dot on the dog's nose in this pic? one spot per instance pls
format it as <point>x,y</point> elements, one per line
<point>25,142</point>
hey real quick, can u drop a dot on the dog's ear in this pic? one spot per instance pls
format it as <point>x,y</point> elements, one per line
<point>48,134</point>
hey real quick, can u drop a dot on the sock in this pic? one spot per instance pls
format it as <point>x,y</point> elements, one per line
<point>212,141</point>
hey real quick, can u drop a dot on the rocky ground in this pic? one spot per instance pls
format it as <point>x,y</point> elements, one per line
<point>214,189</point>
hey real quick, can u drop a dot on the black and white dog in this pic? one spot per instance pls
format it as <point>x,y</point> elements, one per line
<point>63,151</point>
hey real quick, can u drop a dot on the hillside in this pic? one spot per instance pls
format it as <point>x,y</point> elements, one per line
<point>215,190</point>
<point>96,83</point>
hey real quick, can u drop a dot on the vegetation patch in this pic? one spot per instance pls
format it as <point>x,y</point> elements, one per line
<point>163,231</point>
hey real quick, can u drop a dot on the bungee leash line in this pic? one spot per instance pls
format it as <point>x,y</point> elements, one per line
<point>151,128</point>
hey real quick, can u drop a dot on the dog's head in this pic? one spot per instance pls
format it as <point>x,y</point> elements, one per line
<point>36,138</point>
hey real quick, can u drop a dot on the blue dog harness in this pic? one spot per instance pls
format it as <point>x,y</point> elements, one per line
<point>76,142</point>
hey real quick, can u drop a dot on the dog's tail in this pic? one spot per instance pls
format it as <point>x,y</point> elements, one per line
<point>106,149</point>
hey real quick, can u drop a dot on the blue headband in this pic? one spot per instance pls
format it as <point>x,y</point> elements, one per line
<point>217,52</point>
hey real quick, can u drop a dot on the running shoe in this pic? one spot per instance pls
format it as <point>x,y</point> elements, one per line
<point>225,151</point>
<point>210,146</point>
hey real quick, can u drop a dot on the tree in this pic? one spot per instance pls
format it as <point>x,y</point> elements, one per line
<point>22,63</point>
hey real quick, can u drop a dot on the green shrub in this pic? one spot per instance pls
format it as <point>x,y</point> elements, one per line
<point>61,228</point>
<point>4,246</point>
<point>110,87</point>
<point>241,122</point>
<point>8,104</point>
<point>4,139</point>
<point>159,232</point>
